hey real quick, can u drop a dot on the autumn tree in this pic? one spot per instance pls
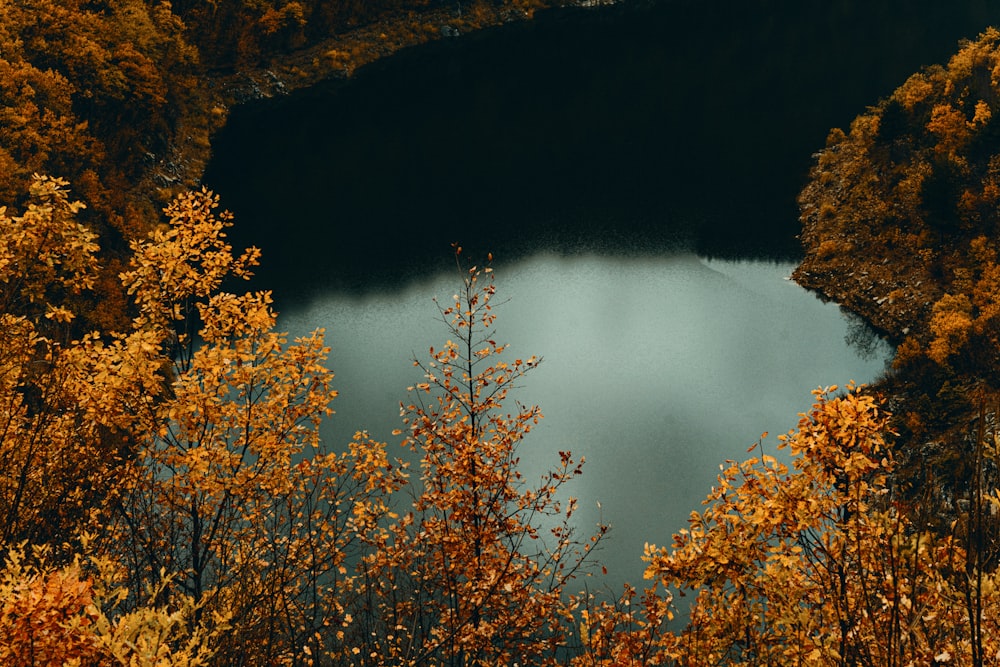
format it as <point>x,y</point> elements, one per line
<point>476,572</point>
<point>231,491</point>
<point>102,94</point>
<point>630,630</point>
<point>68,402</point>
<point>815,562</point>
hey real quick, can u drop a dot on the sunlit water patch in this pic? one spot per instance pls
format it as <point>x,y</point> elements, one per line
<point>655,369</point>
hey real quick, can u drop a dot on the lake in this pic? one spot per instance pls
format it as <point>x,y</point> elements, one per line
<point>634,171</point>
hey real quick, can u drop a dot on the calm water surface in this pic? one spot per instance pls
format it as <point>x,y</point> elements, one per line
<point>656,370</point>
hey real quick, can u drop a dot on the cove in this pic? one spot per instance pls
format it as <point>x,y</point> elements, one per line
<point>634,171</point>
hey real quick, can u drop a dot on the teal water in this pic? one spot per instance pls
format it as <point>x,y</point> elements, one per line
<point>655,369</point>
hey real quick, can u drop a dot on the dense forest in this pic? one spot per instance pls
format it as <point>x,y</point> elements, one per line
<point>166,498</point>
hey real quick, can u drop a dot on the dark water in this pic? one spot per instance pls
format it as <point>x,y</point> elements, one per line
<point>635,173</point>
<point>616,131</point>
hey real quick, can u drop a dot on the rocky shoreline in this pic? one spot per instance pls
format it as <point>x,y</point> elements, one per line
<point>849,259</point>
<point>894,295</point>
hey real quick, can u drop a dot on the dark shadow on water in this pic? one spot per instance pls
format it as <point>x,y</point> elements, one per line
<point>681,125</point>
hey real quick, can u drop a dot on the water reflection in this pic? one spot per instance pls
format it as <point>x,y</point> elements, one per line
<point>656,369</point>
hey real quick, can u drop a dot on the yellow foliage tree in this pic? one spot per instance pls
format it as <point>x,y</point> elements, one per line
<point>475,573</point>
<point>231,491</point>
<point>965,326</point>
<point>951,325</point>
<point>813,564</point>
<point>97,93</point>
<point>67,404</point>
<point>900,223</point>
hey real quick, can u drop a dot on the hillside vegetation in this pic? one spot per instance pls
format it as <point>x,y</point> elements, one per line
<point>900,224</point>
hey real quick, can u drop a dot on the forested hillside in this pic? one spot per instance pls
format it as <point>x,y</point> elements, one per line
<point>166,498</point>
<point>900,224</point>
<point>120,98</point>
